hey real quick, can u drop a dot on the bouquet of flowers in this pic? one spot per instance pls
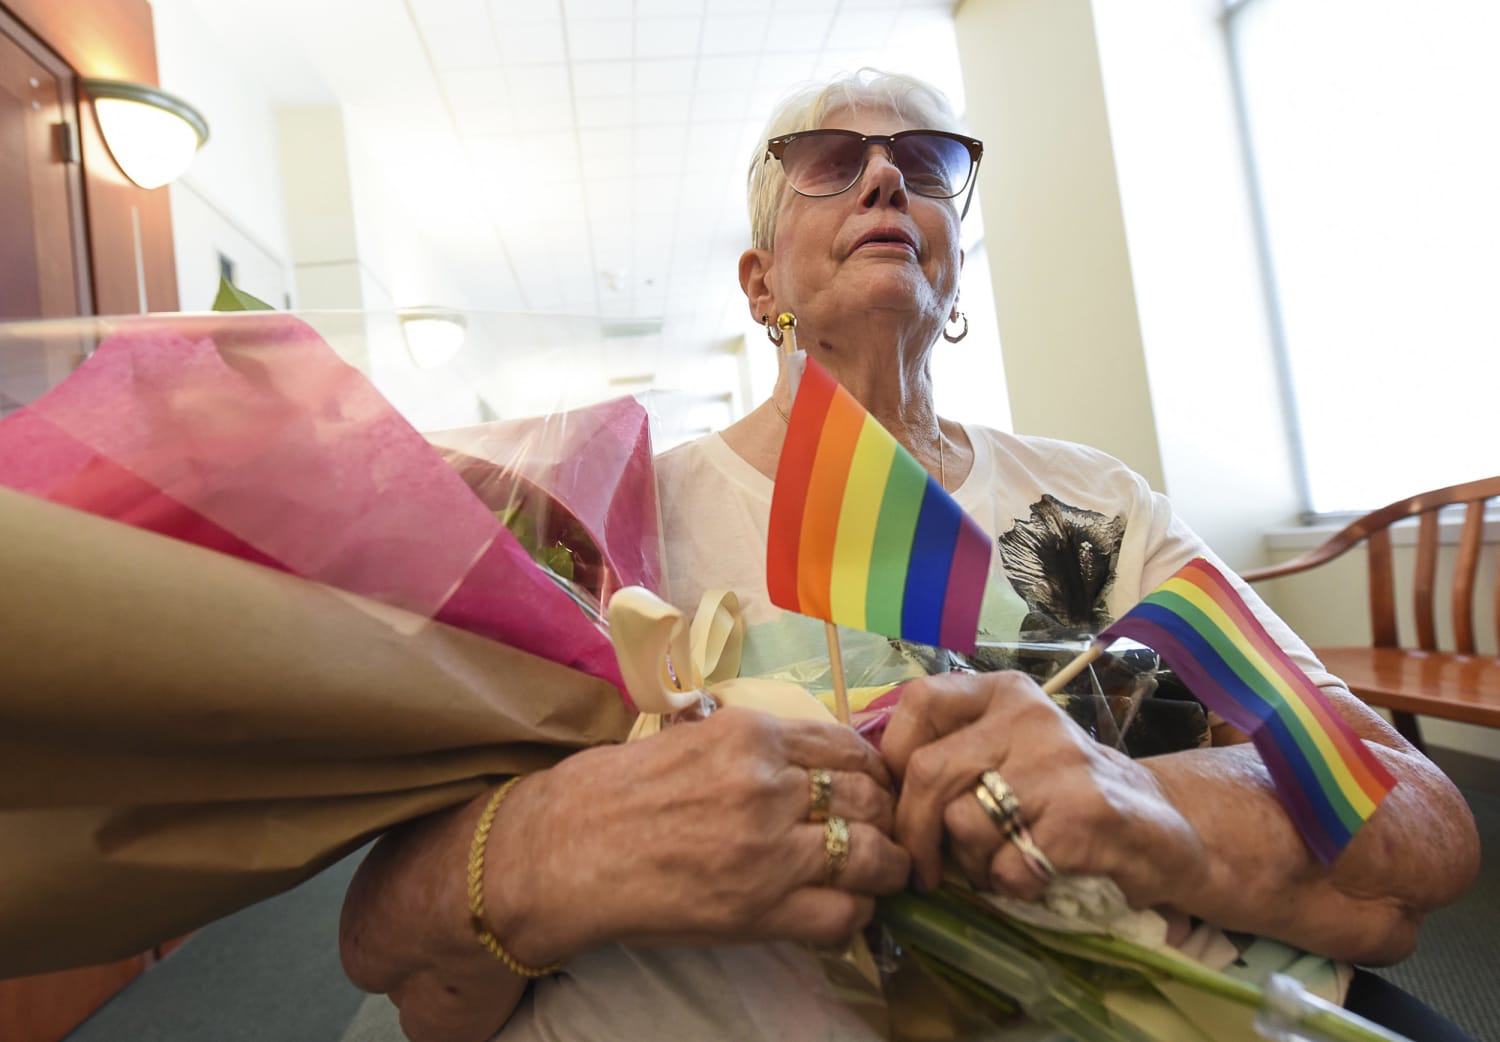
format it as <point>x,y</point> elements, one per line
<point>254,618</point>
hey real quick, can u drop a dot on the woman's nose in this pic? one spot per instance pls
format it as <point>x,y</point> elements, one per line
<point>881,182</point>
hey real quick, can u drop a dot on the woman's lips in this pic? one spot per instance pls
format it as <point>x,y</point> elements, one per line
<point>887,241</point>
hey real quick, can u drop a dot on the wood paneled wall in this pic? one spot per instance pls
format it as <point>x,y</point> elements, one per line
<point>113,39</point>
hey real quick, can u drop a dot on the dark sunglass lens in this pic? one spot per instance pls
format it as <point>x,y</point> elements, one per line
<point>932,164</point>
<point>822,164</point>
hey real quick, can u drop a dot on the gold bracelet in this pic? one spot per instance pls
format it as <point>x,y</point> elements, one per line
<point>489,941</point>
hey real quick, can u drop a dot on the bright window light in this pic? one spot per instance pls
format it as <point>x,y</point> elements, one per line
<point>1372,127</point>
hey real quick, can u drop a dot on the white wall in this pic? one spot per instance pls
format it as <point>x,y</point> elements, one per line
<point>1205,327</point>
<point>230,200</point>
<point>1127,279</point>
<point>1123,256</point>
<point>1054,228</point>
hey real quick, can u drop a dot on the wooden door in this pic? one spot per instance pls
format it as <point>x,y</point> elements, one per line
<point>43,269</point>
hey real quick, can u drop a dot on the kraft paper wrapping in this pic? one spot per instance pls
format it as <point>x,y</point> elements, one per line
<point>183,733</point>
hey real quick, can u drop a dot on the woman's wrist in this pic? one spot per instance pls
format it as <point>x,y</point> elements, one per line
<point>527,899</point>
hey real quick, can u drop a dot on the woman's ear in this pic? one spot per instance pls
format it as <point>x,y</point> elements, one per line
<point>755,268</point>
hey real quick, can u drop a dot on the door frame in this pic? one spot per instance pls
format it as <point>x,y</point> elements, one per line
<point>68,95</point>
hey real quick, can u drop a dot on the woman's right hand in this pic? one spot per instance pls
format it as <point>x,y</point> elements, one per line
<point>698,835</point>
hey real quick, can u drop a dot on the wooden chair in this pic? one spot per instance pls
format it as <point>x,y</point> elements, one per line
<point>1416,679</point>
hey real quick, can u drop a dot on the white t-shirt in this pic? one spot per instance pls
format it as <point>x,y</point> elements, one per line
<point>1080,539</point>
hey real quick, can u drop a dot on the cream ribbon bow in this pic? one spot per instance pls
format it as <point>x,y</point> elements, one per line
<point>669,667</point>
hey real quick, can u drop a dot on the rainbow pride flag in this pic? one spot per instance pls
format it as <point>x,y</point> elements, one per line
<point>1327,779</point>
<point>861,535</point>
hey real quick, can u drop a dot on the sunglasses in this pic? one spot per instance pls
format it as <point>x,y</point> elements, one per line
<point>934,163</point>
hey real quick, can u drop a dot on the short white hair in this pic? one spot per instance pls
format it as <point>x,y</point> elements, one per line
<point>914,101</point>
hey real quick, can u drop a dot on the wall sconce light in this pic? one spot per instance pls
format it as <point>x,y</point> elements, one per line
<point>152,135</point>
<point>433,335</point>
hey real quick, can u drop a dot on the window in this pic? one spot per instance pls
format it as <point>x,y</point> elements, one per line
<point>1374,133</point>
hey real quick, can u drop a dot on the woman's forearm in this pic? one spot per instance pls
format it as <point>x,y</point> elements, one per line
<point>1417,852</point>
<point>405,932</point>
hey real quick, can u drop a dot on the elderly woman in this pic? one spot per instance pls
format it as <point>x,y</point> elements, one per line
<point>655,889</point>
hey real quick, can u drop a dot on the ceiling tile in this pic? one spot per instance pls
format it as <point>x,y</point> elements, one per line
<point>533,84</point>
<point>666,75</point>
<point>601,39</point>
<point>733,34</point>
<point>552,154</point>
<point>575,9</point>
<point>490,155</point>
<point>653,8</point>
<point>713,146</point>
<point>486,122</point>
<point>862,28</point>
<point>475,88</point>
<point>601,78</point>
<point>461,45</point>
<point>726,72</point>
<point>663,108</point>
<point>780,72</point>
<point>449,12</point>
<point>531,43</point>
<point>605,195</point>
<point>666,37</point>
<point>720,105</point>
<point>655,199</point>
<point>605,153</point>
<point>799,30</point>
<point>603,112</point>
<point>518,12</point>
<point>736,6</point>
<point>661,141</point>
<point>549,200</point>
<point>536,116</point>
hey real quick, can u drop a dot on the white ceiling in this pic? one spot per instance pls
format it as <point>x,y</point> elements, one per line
<point>584,156</point>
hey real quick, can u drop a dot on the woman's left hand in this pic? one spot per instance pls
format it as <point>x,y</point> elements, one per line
<point>1090,809</point>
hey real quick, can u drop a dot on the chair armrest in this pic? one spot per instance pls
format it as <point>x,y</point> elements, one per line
<point>1321,554</point>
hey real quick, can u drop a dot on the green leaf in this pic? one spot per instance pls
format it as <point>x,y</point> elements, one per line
<point>231,298</point>
<point>558,559</point>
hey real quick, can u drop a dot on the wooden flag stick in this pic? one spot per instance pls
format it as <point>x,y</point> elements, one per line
<point>1079,663</point>
<point>836,664</point>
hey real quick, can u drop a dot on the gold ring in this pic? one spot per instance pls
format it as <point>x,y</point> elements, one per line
<point>822,793</point>
<point>1000,802</point>
<point>1041,866</point>
<point>835,846</point>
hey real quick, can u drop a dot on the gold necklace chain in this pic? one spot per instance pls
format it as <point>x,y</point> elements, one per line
<point>942,462</point>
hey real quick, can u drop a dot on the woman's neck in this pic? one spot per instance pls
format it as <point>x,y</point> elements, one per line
<point>897,394</point>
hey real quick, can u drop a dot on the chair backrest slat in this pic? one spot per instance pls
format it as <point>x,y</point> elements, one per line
<point>1425,580</point>
<point>1465,570</point>
<point>1374,531</point>
<point>1382,589</point>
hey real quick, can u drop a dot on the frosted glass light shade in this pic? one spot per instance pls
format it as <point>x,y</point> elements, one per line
<point>152,135</point>
<point>433,335</point>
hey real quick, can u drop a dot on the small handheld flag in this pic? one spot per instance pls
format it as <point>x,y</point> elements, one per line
<point>861,535</point>
<point>1326,777</point>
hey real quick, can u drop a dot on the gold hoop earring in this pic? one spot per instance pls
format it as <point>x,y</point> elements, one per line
<point>961,333</point>
<point>773,334</point>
